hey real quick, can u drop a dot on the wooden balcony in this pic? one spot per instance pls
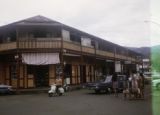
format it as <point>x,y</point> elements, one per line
<point>40,43</point>
<point>71,46</point>
<point>88,50</point>
<point>56,44</point>
<point>8,46</point>
<point>133,59</point>
<point>104,53</point>
<point>118,56</point>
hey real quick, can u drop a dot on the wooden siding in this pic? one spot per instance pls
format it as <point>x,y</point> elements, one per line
<point>52,74</point>
<point>8,46</point>
<point>104,53</point>
<point>14,83</point>
<point>88,50</point>
<point>30,81</point>
<point>71,46</point>
<point>117,56</point>
<point>56,44</point>
<point>40,44</point>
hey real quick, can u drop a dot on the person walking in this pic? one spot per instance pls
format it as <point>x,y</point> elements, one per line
<point>115,84</point>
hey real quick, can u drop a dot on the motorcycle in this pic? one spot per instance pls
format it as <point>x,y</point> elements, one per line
<point>66,87</point>
<point>54,91</point>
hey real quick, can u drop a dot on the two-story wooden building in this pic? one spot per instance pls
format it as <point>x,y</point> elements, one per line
<point>37,50</point>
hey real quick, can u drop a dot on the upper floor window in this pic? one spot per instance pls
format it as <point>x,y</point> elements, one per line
<point>44,34</point>
<point>75,38</point>
<point>66,35</point>
<point>8,37</point>
<point>39,34</point>
<point>86,41</point>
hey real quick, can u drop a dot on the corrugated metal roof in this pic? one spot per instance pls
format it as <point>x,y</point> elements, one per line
<point>36,20</point>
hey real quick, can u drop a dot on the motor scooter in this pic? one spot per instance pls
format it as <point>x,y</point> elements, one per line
<point>54,91</point>
<point>66,88</point>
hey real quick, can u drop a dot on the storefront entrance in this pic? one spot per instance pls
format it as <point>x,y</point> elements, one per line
<point>83,73</point>
<point>41,76</point>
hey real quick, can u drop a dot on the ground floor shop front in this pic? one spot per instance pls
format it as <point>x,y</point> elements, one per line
<point>75,70</point>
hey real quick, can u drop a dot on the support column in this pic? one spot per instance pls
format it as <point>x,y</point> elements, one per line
<point>17,58</point>
<point>115,59</point>
<point>61,56</point>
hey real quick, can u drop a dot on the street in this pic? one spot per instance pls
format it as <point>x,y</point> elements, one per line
<point>79,102</point>
<point>156,101</point>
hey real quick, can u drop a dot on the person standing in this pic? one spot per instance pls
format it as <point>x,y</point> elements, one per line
<point>142,85</point>
<point>115,84</point>
<point>135,89</point>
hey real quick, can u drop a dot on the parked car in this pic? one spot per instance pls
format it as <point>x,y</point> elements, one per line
<point>147,79</point>
<point>105,84</point>
<point>156,75</point>
<point>148,74</point>
<point>6,89</point>
<point>156,83</point>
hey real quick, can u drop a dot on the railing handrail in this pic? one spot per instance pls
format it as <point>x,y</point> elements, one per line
<point>56,44</point>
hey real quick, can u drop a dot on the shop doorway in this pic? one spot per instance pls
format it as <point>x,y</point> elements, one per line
<point>40,73</point>
<point>83,74</point>
<point>68,73</point>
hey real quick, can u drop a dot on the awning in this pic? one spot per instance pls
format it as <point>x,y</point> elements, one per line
<point>40,58</point>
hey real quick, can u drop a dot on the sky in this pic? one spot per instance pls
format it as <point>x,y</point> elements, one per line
<point>125,22</point>
<point>155,22</point>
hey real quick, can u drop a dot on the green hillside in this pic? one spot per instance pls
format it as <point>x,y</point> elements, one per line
<point>155,58</point>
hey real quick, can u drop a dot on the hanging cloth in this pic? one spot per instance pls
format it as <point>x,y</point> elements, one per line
<point>40,58</point>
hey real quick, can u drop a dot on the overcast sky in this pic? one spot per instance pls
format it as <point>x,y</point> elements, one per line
<point>125,22</point>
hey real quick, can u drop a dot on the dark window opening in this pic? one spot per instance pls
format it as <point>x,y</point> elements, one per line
<point>45,34</point>
<point>8,37</point>
<point>105,47</point>
<point>93,43</point>
<point>13,36</point>
<point>40,75</point>
<point>39,34</point>
<point>75,38</point>
<point>57,33</point>
<point>1,39</point>
<point>68,71</point>
<point>30,69</point>
<point>13,71</point>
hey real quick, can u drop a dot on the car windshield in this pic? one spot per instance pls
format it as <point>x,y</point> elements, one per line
<point>155,75</point>
<point>108,79</point>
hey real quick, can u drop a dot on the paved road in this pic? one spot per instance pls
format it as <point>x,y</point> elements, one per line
<point>81,102</point>
<point>156,101</point>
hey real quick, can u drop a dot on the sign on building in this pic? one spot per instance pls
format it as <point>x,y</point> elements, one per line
<point>117,66</point>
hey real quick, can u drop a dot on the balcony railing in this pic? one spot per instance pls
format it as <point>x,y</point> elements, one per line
<point>56,44</point>
<point>40,43</point>
<point>88,50</point>
<point>71,46</point>
<point>118,56</point>
<point>8,46</point>
<point>104,53</point>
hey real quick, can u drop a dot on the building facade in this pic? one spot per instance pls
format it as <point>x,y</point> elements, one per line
<point>146,66</point>
<point>36,51</point>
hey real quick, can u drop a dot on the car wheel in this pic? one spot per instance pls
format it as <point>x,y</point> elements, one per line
<point>60,94</point>
<point>50,94</point>
<point>97,91</point>
<point>158,86</point>
<point>108,90</point>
